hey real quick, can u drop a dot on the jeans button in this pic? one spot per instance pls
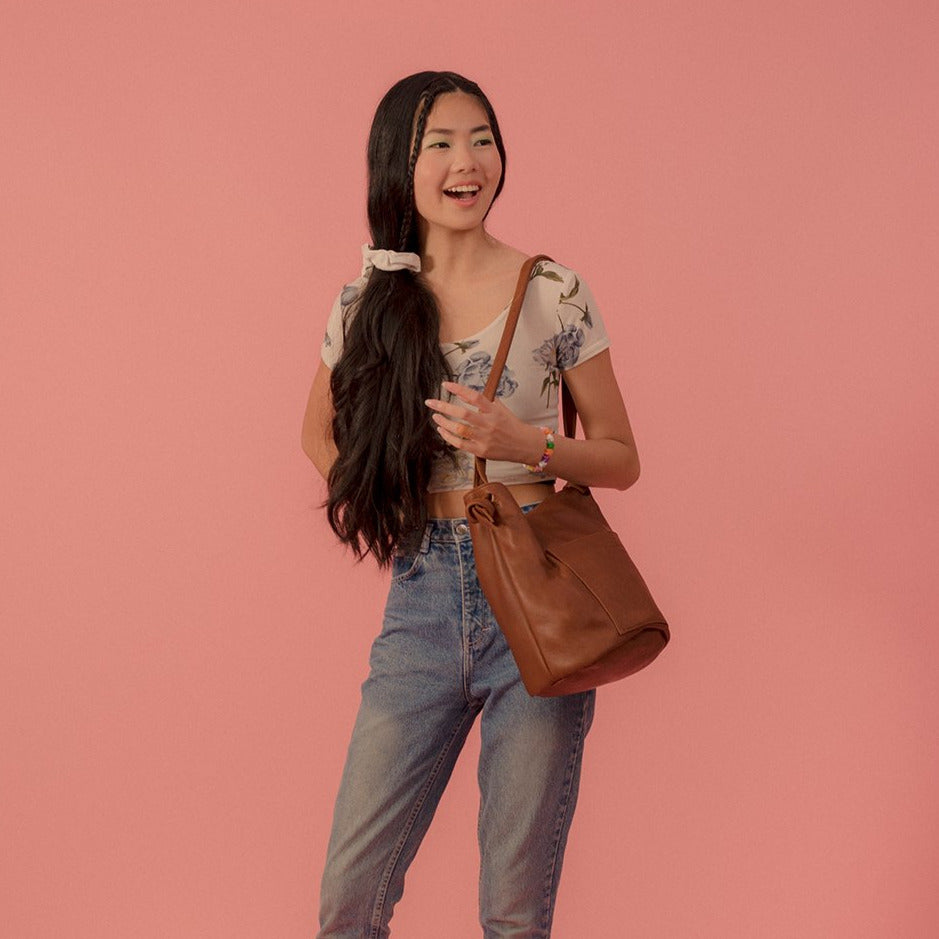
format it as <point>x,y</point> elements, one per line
<point>461,529</point>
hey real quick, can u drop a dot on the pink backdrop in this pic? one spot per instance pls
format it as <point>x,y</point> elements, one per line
<point>751,190</point>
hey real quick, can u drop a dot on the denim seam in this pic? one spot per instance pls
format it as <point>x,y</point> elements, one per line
<point>378,911</point>
<point>465,645</point>
<point>563,811</point>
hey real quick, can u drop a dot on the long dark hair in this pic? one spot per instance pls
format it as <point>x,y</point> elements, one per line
<point>391,359</point>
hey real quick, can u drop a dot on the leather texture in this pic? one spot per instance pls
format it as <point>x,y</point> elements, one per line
<point>573,607</point>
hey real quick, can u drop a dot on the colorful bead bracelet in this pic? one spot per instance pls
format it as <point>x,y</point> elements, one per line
<point>539,467</point>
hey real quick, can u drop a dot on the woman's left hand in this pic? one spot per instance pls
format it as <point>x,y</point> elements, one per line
<point>487,429</point>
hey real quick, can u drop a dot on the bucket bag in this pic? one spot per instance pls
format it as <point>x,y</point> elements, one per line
<point>574,609</point>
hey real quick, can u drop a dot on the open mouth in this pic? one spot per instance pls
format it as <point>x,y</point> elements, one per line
<point>462,193</point>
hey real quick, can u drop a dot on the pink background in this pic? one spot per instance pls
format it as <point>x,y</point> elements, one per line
<point>751,190</point>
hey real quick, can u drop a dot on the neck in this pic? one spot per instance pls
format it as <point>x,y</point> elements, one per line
<point>445,253</point>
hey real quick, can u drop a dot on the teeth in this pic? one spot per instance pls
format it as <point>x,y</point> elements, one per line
<point>463,189</point>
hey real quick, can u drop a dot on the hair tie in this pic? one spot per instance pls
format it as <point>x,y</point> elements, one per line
<point>386,260</point>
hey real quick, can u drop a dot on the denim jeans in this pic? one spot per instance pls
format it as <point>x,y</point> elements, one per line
<point>439,661</point>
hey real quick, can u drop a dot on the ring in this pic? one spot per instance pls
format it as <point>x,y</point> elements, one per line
<point>467,432</point>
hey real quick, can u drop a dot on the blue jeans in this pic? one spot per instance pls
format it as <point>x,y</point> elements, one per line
<point>439,661</point>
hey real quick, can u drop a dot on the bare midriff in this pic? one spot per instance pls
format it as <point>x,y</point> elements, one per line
<point>450,504</point>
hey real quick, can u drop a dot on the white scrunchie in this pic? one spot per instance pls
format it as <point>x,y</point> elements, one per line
<point>389,260</point>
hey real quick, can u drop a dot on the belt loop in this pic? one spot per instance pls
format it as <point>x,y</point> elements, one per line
<point>425,540</point>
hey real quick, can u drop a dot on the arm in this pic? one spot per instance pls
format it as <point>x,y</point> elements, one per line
<point>316,436</point>
<point>607,456</point>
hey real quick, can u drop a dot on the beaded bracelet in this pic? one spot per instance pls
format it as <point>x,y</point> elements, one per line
<point>539,467</point>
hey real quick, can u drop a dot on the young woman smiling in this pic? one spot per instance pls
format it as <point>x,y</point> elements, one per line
<point>394,418</point>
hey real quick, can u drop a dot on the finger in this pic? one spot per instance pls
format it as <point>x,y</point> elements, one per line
<point>457,440</point>
<point>469,395</point>
<point>456,428</point>
<point>446,407</point>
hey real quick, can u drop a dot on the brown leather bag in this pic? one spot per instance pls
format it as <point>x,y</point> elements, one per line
<point>575,611</point>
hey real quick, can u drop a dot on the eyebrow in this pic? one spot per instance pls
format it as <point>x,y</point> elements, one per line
<point>444,130</point>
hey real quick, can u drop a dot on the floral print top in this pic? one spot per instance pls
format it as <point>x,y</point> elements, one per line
<point>559,327</point>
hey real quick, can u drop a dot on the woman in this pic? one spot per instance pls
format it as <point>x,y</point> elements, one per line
<point>394,419</point>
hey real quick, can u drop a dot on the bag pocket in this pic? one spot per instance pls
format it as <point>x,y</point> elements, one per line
<point>600,562</point>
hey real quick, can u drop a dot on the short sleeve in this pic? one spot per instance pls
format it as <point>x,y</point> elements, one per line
<point>581,333</point>
<point>331,348</point>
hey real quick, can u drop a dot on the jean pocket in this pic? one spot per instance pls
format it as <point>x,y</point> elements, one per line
<point>405,566</point>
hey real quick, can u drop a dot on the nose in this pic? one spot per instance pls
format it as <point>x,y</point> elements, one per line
<point>464,158</point>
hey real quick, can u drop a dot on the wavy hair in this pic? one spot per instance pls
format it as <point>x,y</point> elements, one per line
<point>391,360</point>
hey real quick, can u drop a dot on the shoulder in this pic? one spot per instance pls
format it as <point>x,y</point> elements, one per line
<point>567,313</point>
<point>351,292</point>
<point>345,302</point>
<point>553,285</point>
<point>343,307</point>
<point>553,279</point>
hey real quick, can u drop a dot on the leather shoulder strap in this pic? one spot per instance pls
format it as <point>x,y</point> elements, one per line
<point>524,276</point>
<point>567,400</point>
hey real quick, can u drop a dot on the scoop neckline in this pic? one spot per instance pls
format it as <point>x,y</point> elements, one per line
<point>499,317</point>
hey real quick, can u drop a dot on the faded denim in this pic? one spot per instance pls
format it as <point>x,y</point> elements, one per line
<point>439,661</point>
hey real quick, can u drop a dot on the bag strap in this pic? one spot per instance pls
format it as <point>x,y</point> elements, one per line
<point>502,354</point>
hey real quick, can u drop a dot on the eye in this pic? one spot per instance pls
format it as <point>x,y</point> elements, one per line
<point>437,144</point>
<point>483,142</point>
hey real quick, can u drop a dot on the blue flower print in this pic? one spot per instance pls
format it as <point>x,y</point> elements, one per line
<point>557,352</point>
<point>348,295</point>
<point>568,342</point>
<point>546,354</point>
<point>473,372</point>
<point>562,350</point>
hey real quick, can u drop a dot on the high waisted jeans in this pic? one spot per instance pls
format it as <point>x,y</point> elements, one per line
<point>439,661</point>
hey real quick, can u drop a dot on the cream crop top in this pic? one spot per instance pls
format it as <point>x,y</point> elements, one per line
<point>559,327</point>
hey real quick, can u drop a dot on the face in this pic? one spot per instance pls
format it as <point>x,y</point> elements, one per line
<point>458,167</point>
